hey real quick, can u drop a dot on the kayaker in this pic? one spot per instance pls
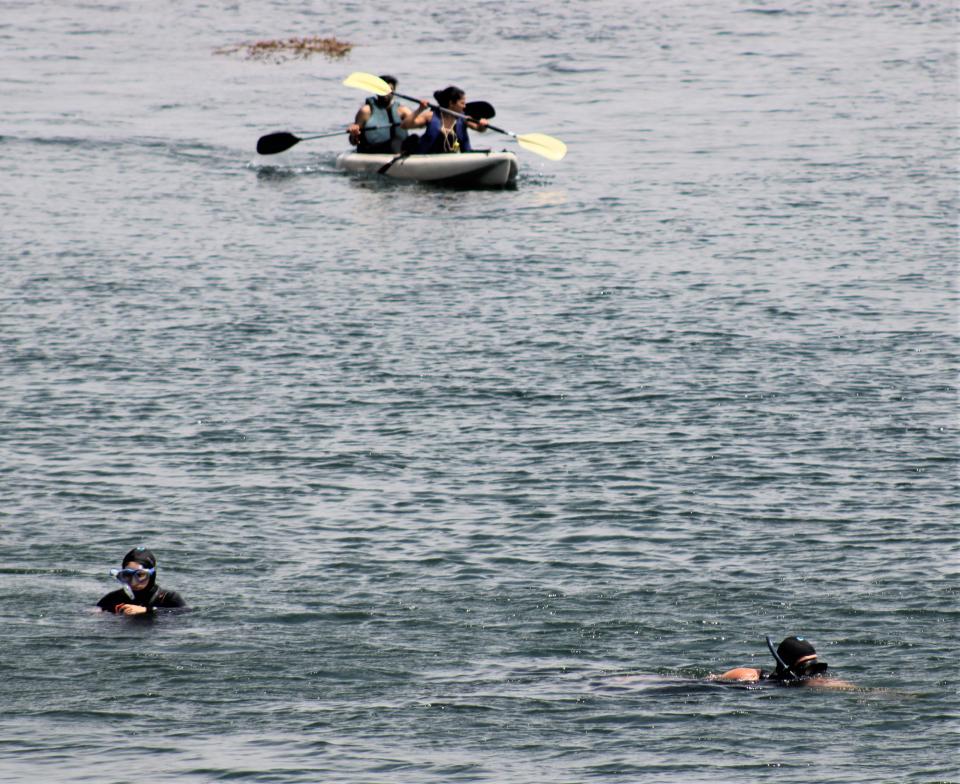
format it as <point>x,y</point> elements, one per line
<point>444,132</point>
<point>378,127</point>
<point>797,665</point>
<point>139,593</point>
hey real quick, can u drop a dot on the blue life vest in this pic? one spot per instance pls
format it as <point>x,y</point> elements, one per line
<point>384,125</point>
<point>432,139</point>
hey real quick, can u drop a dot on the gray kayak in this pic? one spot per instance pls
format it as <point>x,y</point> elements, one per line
<point>466,169</point>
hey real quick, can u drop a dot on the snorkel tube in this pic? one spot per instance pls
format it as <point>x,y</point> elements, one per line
<point>781,662</point>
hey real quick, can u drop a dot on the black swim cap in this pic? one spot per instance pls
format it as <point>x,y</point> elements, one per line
<point>792,649</point>
<point>142,556</point>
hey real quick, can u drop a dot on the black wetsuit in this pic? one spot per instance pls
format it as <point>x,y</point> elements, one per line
<point>153,598</point>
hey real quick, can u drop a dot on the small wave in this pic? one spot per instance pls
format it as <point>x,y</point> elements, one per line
<point>773,12</point>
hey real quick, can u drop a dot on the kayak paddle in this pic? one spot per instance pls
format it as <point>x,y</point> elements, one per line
<point>539,143</point>
<point>480,110</point>
<point>273,143</point>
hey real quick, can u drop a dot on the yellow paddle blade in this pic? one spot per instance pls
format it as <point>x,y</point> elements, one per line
<point>368,83</point>
<point>544,145</point>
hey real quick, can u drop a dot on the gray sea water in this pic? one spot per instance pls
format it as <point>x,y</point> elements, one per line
<point>480,486</point>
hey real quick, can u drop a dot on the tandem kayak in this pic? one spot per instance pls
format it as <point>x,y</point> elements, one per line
<point>486,169</point>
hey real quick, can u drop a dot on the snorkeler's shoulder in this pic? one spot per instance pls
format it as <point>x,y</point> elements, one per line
<point>170,599</point>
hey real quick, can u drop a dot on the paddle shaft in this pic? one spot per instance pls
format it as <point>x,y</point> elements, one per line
<point>323,135</point>
<point>455,114</point>
<point>340,133</point>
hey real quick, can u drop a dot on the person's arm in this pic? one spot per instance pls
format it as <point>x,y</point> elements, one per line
<point>359,121</point>
<point>478,125</point>
<point>739,675</point>
<point>111,601</point>
<point>165,600</point>
<point>131,609</point>
<point>170,600</point>
<point>821,682</point>
<point>419,118</point>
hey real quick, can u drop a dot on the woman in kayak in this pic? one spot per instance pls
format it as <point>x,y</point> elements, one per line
<point>444,132</point>
<point>797,665</point>
<point>139,593</point>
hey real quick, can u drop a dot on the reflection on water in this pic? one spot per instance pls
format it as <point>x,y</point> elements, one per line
<point>556,197</point>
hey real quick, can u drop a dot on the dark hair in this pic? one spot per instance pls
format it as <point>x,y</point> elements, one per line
<point>448,95</point>
<point>391,80</point>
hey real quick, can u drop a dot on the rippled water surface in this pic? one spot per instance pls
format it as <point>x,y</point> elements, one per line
<point>473,485</point>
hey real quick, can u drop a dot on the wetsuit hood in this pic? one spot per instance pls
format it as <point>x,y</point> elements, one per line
<point>142,556</point>
<point>790,651</point>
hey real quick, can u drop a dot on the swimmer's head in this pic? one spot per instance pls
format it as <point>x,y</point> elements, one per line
<point>449,96</point>
<point>799,655</point>
<point>139,572</point>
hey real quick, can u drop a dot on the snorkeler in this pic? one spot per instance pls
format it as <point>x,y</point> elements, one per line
<point>797,665</point>
<point>139,593</point>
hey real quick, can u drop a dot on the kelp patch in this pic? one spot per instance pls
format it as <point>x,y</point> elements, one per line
<point>279,50</point>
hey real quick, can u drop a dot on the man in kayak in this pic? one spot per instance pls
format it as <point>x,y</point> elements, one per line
<point>797,665</point>
<point>378,127</point>
<point>444,132</point>
<point>139,593</point>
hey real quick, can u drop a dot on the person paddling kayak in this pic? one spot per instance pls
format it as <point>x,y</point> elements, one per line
<point>444,132</point>
<point>797,665</point>
<point>139,593</point>
<point>378,127</point>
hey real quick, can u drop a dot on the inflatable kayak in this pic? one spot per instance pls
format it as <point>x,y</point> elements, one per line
<point>486,169</point>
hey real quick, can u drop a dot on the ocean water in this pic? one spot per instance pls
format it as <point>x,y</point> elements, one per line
<point>472,486</point>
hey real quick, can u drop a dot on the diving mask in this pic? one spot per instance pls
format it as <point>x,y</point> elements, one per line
<point>127,577</point>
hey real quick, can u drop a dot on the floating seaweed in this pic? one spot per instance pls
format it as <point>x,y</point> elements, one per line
<point>279,50</point>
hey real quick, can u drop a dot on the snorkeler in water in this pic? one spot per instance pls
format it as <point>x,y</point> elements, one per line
<point>797,665</point>
<point>139,593</point>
